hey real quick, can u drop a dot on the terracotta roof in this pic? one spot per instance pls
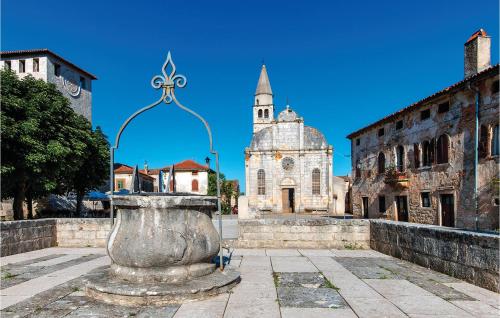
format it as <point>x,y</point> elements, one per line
<point>186,165</point>
<point>125,169</point>
<point>48,52</point>
<point>487,72</point>
<point>478,33</point>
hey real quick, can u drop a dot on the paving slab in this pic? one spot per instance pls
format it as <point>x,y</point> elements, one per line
<point>427,305</point>
<point>249,252</point>
<point>477,308</point>
<point>289,312</point>
<point>312,252</point>
<point>303,297</point>
<point>282,252</point>
<point>393,287</point>
<point>484,295</point>
<point>292,264</point>
<point>357,253</point>
<point>374,308</point>
<point>209,308</point>
<point>55,261</point>
<point>308,280</point>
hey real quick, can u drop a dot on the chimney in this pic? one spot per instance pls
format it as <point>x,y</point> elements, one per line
<point>477,53</point>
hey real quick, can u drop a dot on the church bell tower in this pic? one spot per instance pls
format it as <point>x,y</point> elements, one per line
<point>263,108</point>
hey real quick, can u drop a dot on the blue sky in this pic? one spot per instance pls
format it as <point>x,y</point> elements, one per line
<point>342,64</point>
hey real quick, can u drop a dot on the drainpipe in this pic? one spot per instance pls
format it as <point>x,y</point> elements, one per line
<point>476,152</point>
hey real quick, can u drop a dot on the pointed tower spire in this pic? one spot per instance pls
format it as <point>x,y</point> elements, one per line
<point>263,108</point>
<point>263,86</point>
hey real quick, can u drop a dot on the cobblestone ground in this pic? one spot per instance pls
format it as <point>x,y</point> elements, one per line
<point>275,283</point>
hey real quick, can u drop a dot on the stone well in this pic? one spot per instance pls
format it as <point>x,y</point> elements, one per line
<point>161,247</point>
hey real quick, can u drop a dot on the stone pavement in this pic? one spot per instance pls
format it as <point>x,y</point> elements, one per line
<point>275,283</point>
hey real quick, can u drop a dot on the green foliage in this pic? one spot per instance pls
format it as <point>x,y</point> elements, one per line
<point>45,144</point>
<point>226,190</point>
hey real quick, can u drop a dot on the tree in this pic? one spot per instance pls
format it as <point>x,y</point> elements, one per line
<point>226,190</point>
<point>43,140</point>
<point>94,166</point>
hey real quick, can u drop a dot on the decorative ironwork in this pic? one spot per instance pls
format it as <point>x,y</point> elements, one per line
<point>168,81</point>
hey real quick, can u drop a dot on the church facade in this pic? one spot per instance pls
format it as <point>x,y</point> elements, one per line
<point>288,166</point>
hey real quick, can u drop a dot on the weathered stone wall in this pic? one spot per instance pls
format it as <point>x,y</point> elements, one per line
<point>304,233</point>
<point>470,256</point>
<point>25,236</point>
<point>455,177</point>
<point>83,232</point>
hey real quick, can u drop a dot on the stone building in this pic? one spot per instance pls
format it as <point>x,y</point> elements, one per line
<point>418,164</point>
<point>124,176</point>
<point>74,82</point>
<point>190,177</point>
<point>288,166</point>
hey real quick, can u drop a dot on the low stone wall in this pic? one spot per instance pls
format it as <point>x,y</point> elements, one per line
<point>473,257</point>
<point>25,236</point>
<point>83,232</point>
<point>304,233</point>
<point>29,235</point>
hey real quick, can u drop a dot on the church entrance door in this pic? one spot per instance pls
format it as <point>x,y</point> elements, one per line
<point>288,200</point>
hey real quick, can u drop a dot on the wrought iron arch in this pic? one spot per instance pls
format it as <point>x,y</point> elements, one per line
<point>167,82</point>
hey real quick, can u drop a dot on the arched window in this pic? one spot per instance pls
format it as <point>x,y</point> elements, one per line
<point>443,144</point>
<point>416,155</point>
<point>261,182</point>
<point>400,158</point>
<point>260,113</point>
<point>316,181</point>
<point>381,163</point>
<point>483,141</point>
<point>266,113</point>
<point>194,186</point>
<point>495,142</point>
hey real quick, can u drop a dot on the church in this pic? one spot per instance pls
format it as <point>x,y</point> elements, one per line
<point>288,166</point>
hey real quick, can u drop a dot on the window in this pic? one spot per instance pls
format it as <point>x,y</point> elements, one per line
<point>381,132</point>
<point>57,69</point>
<point>36,65</point>
<point>120,184</point>
<point>425,199</point>
<point>427,153</point>
<point>22,66</point>
<point>257,101</point>
<point>400,155</point>
<point>399,125</point>
<point>381,163</point>
<point>443,107</point>
<point>483,141</point>
<point>260,113</point>
<point>494,87</point>
<point>358,142</point>
<point>495,142</point>
<point>8,66</point>
<point>425,114</point>
<point>266,113</point>
<point>261,182</point>
<point>381,204</point>
<point>83,82</point>
<point>496,201</point>
<point>316,187</point>
<point>442,150</point>
<point>358,169</point>
<point>194,185</point>
<point>416,155</point>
